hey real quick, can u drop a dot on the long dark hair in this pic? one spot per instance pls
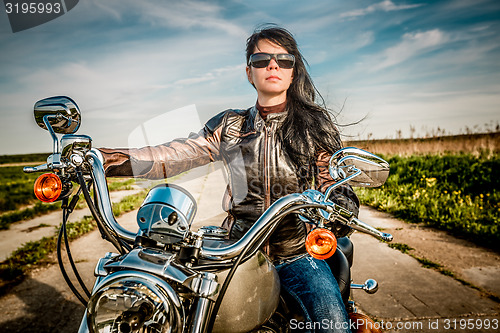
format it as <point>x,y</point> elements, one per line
<point>308,128</point>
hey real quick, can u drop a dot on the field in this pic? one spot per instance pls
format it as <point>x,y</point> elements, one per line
<point>23,158</point>
<point>16,188</point>
<point>451,183</point>
<point>458,193</point>
<point>453,144</point>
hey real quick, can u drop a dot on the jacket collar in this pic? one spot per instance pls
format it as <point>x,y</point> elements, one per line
<point>255,121</point>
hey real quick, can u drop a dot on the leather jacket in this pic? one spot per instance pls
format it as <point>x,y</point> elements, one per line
<point>259,171</point>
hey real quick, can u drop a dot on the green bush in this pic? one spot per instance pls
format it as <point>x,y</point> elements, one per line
<point>459,193</point>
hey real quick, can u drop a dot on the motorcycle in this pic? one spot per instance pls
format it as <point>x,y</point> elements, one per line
<point>169,278</point>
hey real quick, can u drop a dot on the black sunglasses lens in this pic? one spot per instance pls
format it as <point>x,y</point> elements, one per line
<point>260,60</point>
<point>285,60</point>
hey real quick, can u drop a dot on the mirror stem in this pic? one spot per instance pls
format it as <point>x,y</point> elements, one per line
<point>334,186</point>
<point>51,131</point>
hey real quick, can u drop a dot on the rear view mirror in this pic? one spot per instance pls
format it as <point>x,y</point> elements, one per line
<point>59,114</point>
<point>358,168</point>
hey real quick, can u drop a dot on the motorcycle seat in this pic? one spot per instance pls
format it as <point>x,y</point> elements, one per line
<point>341,270</point>
<point>345,245</point>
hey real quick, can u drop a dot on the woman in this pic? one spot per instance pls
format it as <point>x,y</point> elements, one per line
<point>279,146</point>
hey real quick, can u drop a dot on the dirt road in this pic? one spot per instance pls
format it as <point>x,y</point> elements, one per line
<point>411,298</point>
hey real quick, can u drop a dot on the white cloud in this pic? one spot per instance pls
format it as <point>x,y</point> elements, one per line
<point>213,75</point>
<point>385,6</point>
<point>180,15</point>
<point>412,45</point>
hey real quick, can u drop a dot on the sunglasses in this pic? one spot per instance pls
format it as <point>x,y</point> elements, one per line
<point>262,60</point>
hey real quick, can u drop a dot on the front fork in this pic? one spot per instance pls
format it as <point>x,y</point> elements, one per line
<point>201,315</point>
<point>207,291</point>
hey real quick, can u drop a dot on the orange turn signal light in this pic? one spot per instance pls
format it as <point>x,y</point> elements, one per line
<point>321,243</point>
<point>48,187</point>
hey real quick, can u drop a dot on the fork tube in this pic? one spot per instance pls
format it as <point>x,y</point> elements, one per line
<point>201,315</point>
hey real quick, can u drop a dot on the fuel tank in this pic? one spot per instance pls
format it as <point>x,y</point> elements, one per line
<point>252,296</point>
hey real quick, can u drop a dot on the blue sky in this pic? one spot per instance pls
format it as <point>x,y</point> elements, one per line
<point>398,64</point>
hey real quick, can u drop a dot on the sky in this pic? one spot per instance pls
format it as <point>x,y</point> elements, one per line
<point>386,66</point>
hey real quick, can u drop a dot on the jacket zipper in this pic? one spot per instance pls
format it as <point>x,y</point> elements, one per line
<point>267,179</point>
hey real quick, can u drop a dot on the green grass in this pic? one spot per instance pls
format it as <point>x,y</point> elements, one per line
<point>119,185</point>
<point>24,158</point>
<point>35,252</point>
<point>428,263</point>
<point>401,247</point>
<point>459,193</point>
<point>16,188</point>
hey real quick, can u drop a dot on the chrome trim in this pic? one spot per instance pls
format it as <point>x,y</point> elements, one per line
<point>213,232</point>
<point>53,162</point>
<point>55,140</point>
<point>39,168</point>
<point>170,300</point>
<point>337,184</point>
<point>99,268</point>
<point>208,286</point>
<point>253,233</point>
<point>166,213</point>
<point>94,157</point>
<point>358,167</point>
<point>62,112</point>
<point>370,286</point>
<point>158,263</point>
<point>84,328</point>
<point>201,315</point>
<point>359,225</point>
<point>72,143</point>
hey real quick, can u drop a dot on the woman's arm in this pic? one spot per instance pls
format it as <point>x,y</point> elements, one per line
<point>168,159</point>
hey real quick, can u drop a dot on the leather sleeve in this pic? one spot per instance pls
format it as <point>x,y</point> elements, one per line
<point>168,159</point>
<point>342,195</point>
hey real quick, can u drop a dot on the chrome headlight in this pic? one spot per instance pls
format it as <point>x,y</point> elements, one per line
<point>131,301</point>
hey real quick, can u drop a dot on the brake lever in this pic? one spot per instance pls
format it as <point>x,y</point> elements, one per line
<point>344,216</point>
<point>39,168</point>
<point>53,163</point>
<point>359,225</point>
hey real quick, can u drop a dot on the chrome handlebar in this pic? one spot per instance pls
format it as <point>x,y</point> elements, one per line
<point>95,159</point>
<point>330,211</point>
<point>261,224</point>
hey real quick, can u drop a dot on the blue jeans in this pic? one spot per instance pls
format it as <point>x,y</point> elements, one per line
<point>311,282</point>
